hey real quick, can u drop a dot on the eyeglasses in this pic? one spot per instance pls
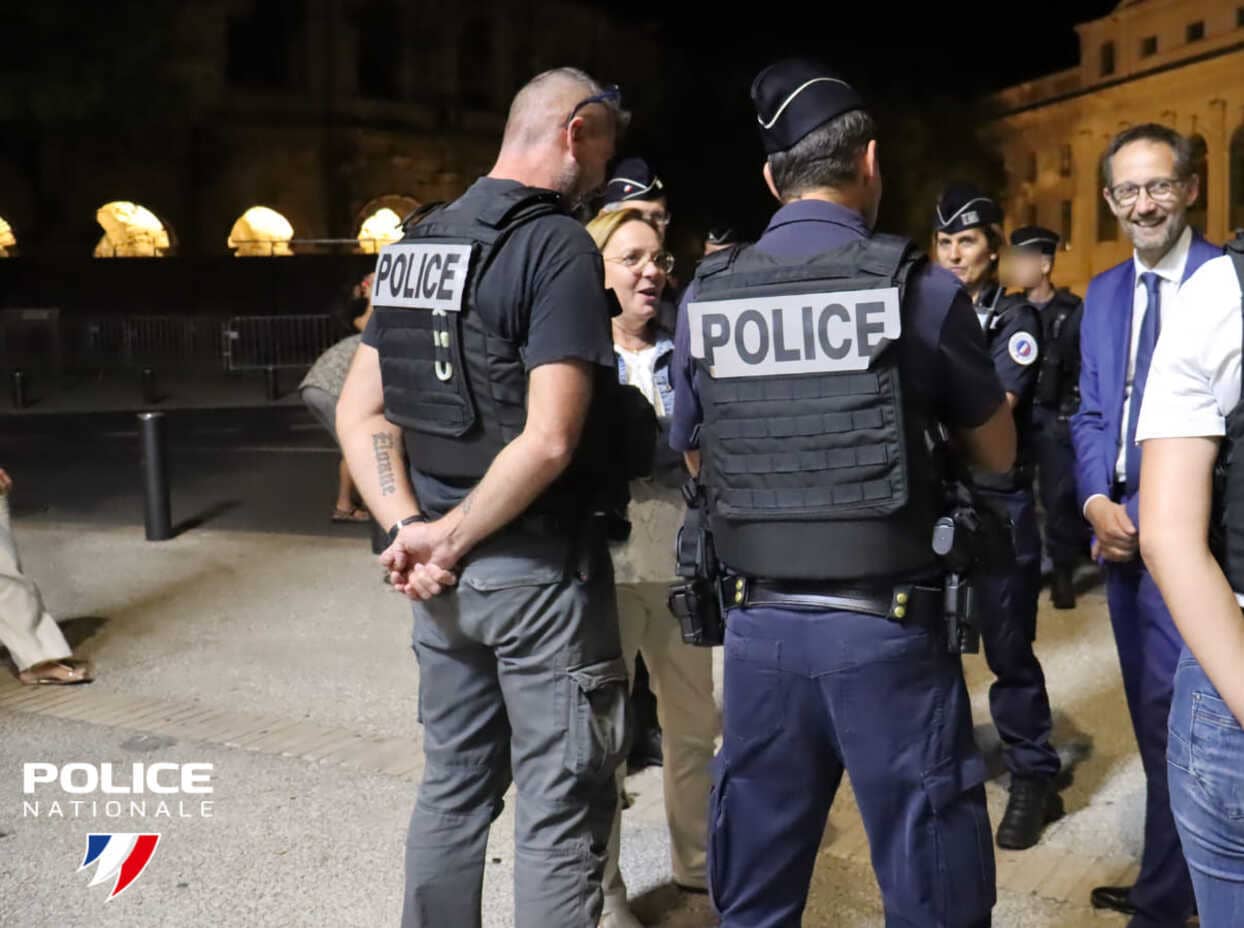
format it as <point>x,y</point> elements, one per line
<point>611,97</point>
<point>637,261</point>
<point>1161,190</point>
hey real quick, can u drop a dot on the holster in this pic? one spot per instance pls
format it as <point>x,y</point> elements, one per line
<point>696,600</point>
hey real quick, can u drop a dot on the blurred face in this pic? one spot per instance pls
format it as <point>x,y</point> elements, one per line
<point>655,211</point>
<point>635,271</point>
<point>967,255</point>
<point>1026,269</point>
<point>1149,199</point>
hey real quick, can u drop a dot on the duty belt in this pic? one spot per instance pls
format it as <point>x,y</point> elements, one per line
<point>904,602</point>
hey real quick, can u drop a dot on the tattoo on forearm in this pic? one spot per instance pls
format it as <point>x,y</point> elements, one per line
<point>468,503</point>
<point>382,445</point>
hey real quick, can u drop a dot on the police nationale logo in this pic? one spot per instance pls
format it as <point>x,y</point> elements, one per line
<point>120,857</point>
<point>1022,348</point>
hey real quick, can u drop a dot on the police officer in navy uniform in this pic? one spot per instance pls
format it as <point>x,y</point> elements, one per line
<point>810,370</point>
<point>1058,397</point>
<point>485,366</point>
<point>969,242</point>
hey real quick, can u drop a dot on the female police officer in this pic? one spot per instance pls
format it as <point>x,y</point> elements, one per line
<point>821,501</point>
<point>968,241</point>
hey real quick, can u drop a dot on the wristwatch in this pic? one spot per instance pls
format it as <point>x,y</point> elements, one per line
<point>398,526</point>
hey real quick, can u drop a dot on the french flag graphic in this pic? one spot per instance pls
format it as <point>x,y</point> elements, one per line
<point>123,856</point>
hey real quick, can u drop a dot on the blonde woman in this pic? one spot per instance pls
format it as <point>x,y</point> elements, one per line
<point>636,266</point>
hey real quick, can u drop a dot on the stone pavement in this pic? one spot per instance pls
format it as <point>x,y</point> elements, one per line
<point>284,662</point>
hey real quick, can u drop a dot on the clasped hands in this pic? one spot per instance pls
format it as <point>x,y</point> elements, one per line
<point>421,559</point>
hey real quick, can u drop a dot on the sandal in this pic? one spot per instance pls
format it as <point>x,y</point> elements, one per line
<point>357,514</point>
<point>67,671</point>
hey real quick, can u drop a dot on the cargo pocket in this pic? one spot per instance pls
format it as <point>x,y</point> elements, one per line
<point>596,723</point>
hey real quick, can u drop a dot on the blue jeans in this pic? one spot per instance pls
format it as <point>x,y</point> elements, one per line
<point>1205,757</point>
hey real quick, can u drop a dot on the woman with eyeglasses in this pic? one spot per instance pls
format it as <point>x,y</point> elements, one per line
<point>636,269</point>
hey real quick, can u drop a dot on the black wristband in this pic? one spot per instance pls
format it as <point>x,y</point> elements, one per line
<point>397,526</point>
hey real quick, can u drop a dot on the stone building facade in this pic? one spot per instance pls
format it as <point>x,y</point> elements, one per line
<point>319,109</point>
<point>1175,62</point>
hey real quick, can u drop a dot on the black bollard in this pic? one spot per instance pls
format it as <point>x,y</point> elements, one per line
<point>156,509</point>
<point>379,537</point>
<point>149,386</point>
<point>19,389</point>
<point>274,392</point>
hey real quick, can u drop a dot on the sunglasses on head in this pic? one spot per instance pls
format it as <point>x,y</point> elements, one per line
<point>611,97</point>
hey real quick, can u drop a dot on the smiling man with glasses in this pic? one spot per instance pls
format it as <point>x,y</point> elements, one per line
<point>1149,185</point>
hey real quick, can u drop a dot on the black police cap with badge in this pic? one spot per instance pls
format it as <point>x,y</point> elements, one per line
<point>964,206</point>
<point>796,96</point>
<point>633,179</point>
<point>1035,239</point>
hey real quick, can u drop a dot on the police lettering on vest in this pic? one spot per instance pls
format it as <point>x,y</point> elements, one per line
<point>801,334</point>
<point>422,276</point>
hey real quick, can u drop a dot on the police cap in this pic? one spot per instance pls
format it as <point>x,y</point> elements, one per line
<point>633,179</point>
<point>964,206</point>
<point>721,235</point>
<point>796,96</point>
<point>1035,238</point>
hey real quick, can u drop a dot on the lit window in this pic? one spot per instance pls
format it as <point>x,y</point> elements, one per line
<point>1064,161</point>
<point>1032,167</point>
<point>1148,46</point>
<point>261,232</point>
<point>383,227</point>
<point>130,231</point>
<point>1196,31</point>
<point>8,240</point>
<point>1066,223</point>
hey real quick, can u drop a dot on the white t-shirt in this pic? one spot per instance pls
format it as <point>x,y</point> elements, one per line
<point>641,372</point>
<point>1194,381</point>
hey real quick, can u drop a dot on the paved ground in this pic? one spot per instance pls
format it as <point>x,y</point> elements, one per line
<point>264,643</point>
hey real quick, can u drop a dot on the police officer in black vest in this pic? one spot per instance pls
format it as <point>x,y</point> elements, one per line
<point>812,372</point>
<point>1058,397</point>
<point>473,423</point>
<point>969,243</point>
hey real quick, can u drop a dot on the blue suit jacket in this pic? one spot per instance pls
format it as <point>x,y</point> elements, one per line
<point>1105,343</point>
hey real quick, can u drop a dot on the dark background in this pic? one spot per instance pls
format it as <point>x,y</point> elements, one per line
<point>926,70</point>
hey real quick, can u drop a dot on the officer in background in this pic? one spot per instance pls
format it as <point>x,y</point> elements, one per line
<point>486,365</point>
<point>969,242</point>
<point>1058,397</point>
<point>821,498</point>
<point>719,238</point>
<point>634,185</point>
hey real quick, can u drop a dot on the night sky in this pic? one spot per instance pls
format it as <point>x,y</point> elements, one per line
<point>938,60</point>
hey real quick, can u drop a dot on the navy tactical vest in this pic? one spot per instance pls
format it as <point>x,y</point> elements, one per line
<point>815,464</point>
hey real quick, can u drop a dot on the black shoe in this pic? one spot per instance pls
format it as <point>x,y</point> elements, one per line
<point>1034,803</point>
<point>1062,588</point>
<point>1114,898</point>
<point>645,751</point>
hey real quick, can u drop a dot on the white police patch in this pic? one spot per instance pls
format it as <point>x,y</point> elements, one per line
<point>422,276</point>
<point>769,336</point>
<point>1023,348</point>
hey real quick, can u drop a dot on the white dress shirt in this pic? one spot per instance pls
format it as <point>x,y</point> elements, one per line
<point>1194,380</point>
<point>1171,271</point>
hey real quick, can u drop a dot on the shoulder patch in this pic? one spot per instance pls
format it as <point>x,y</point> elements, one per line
<point>1022,348</point>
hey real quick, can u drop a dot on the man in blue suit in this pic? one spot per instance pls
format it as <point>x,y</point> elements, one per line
<point>1149,185</point>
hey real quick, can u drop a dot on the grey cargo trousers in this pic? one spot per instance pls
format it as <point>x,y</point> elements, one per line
<point>521,678</point>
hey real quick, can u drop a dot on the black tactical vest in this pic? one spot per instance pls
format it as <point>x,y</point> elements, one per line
<point>815,464</point>
<point>1227,521</point>
<point>458,389</point>
<point>1058,383</point>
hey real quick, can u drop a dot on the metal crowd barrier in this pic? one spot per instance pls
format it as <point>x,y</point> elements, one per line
<point>273,342</point>
<point>134,342</point>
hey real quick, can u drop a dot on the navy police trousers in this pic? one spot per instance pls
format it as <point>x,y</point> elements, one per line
<point>1007,607</point>
<point>809,695</point>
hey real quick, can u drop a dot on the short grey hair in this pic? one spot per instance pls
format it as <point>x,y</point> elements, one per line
<point>825,157</point>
